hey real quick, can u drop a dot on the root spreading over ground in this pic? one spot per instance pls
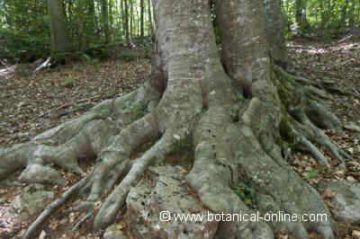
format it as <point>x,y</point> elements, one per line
<point>189,97</point>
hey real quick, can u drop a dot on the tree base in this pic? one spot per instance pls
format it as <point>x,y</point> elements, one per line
<point>232,145</point>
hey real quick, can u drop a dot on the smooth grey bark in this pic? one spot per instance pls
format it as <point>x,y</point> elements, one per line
<point>275,30</point>
<point>244,45</point>
<point>60,42</point>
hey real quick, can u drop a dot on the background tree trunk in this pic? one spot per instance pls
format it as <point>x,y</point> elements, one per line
<point>60,42</point>
<point>126,22</point>
<point>105,20</point>
<point>301,16</point>
<point>151,25</point>
<point>132,25</point>
<point>142,11</point>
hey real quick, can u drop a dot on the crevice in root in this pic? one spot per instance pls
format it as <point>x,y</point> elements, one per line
<point>115,159</point>
<point>116,199</point>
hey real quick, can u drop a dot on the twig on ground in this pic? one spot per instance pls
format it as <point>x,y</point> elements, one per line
<point>53,206</point>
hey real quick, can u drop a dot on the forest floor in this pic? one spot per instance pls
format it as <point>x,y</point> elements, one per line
<point>30,104</point>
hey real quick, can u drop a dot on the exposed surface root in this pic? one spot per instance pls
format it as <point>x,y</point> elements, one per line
<point>53,206</point>
<point>62,146</point>
<point>303,119</point>
<point>111,131</point>
<point>230,153</point>
<point>116,199</point>
<point>280,184</point>
<point>114,159</point>
<point>114,162</point>
<point>214,172</point>
<point>229,150</point>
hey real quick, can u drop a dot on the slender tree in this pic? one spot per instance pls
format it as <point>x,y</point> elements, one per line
<point>142,12</point>
<point>131,17</point>
<point>126,21</point>
<point>301,16</point>
<point>150,17</point>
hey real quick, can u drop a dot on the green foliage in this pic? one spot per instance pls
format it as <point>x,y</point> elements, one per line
<point>182,145</point>
<point>246,193</point>
<point>22,46</point>
<point>92,26</point>
<point>128,55</point>
<point>69,82</point>
<point>312,174</point>
<point>96,24</point>
<point>24,33</point>
<point>324,18</point>
<point>88,59</point>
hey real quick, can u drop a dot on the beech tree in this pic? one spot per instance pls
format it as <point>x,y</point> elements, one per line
<point>60,42</point>
<point>238,108</point>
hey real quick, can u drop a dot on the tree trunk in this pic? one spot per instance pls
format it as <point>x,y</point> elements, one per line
<point>151,25</point>
<point>142,11</point>
<point>92,22</point>
<point>275,30</point>
<point>105,20</point>
<point>60,42</point>
<point>110,17</point>
<point>190,95</point>
<point>126,17</point>
<point>132,30</point>
<point>300,15</point>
